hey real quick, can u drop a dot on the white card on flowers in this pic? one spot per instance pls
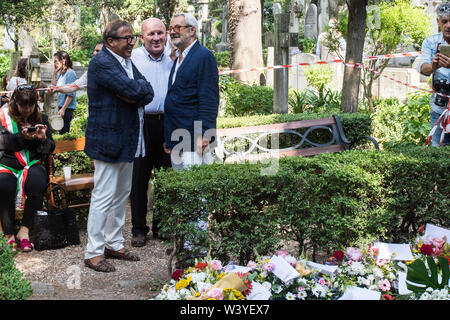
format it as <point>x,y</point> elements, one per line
<point>402,286</point>
<point>355,293</point>
<point>259,292</point>
<point>283,270</point>
<point>233,268</point>
<point>394,251</point>
<point>432,231</point>
<point>322,267</point>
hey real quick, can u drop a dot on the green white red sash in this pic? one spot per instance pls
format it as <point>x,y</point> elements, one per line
<point>22,156</point>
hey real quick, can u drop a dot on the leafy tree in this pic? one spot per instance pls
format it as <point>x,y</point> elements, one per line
<point>20,13</point>
<point>390,26</point>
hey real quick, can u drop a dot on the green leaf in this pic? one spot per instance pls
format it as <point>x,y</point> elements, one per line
<point>419,274</point>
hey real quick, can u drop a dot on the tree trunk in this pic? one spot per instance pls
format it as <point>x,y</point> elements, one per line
<point>245,36</point>
<point>355,44</point>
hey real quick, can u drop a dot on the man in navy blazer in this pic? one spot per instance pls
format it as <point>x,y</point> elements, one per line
<point>117,93</point>
<point>192,100</point>
<point>191,107</point>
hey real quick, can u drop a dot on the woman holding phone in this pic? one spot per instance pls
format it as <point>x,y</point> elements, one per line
<point>25,138</point>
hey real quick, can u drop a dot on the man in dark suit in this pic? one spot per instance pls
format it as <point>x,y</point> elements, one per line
<point>192,100</point>
<point>117,93</point>
<point>191,105</point>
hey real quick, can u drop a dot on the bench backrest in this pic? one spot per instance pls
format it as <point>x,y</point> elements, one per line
<point>253,135</point>
<point>63,146</point>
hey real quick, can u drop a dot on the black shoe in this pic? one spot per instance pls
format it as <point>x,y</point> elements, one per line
<point>160,236</point>
<point>139,240</point>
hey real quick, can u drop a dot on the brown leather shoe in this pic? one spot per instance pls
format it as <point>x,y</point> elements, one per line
<point>125,255</point>
<point>102,266</point>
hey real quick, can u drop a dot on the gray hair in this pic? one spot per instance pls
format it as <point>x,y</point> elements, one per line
<point>190,20</point>
<point>443,10</point>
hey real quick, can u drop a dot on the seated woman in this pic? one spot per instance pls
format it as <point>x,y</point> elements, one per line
<point>25,138</point>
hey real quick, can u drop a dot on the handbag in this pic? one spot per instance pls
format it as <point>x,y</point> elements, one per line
<point>57,226</point>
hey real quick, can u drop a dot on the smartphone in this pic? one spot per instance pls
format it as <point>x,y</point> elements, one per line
<point>445,49</point>
<point>31,129</point>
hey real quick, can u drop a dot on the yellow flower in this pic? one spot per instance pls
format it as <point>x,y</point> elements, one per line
<point>232,294</point>
<point>221,275</point>
<point>183,283</point>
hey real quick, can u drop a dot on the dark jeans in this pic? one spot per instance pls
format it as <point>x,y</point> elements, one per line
<point>68,115</point>
<point>35,186</point>
<point>142,169</point>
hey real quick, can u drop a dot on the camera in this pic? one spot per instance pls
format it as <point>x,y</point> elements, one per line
<point>443,87</point>
<point>33,129</point>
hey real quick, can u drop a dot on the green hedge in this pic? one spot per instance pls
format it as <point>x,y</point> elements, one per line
<point>327,201</point>
<point>13,285</point>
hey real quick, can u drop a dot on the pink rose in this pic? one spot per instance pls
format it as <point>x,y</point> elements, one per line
<point>438,243</point>
<point>354,254</point>
<point>381,262</point>
<point>216,265</point>
<point>268,266</point>
<point>252,265</point>
<point>282,253</point>
<point>215,293</point>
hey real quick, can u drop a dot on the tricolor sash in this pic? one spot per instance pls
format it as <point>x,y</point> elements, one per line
<point>22,156</point>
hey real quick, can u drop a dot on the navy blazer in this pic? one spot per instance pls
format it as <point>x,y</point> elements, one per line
<point>112,130</point>
<point>194,96</point>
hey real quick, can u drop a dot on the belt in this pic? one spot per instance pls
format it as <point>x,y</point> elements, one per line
<point>156,115</point>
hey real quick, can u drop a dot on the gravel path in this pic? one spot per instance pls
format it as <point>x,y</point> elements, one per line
<point>61,274</point>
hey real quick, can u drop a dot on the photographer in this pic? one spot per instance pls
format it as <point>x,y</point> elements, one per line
<point>437,64</point>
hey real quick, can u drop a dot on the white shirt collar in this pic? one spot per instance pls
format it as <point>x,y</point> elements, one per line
<point>186,51</point>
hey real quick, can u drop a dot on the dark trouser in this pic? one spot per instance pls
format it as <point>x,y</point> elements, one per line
<point>35,186</point>
<point>142,169</point>
<point>68,115</point>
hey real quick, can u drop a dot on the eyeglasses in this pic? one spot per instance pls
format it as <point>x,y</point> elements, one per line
<point>177,28</point>
<point>130,39</point>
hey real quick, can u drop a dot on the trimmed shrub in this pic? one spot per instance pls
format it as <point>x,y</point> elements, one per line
<point>327,201</point>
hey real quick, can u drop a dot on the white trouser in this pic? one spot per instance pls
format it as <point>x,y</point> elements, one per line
<point>189,159</point>
<point>112,186</point>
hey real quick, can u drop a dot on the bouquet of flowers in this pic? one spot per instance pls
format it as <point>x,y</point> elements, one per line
<point>309,285</point>
<point>428,275</point>
<point>206,281</point>
<point>362,268</point>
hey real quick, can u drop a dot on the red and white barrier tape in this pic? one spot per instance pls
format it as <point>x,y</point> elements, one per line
<point>381,57</point>
<point>48,88</point>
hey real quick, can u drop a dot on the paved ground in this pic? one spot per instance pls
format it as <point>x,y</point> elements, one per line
<point>61,274</point>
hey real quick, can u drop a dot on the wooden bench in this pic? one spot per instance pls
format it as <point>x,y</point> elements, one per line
<point>77,181</point>
<point>249,140</point>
